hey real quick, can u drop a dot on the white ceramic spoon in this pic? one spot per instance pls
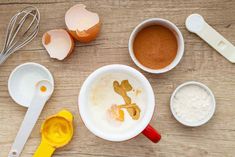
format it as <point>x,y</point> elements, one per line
<point>196,24</point>
<point>43,91</point>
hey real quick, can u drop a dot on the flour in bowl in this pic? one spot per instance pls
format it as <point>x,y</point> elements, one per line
<point>192,103</point>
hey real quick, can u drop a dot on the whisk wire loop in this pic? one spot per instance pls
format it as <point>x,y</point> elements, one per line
<point>22,28</point>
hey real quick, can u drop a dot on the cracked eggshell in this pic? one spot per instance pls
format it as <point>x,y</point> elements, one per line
<point>58,43</point>
<point>82,24</point>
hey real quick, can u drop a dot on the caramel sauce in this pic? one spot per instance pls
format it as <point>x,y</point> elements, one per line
<point>132,108</point>
<point>123,89</point>
<point>155,46</point>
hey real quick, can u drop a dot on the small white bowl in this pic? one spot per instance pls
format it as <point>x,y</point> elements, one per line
<point>205,120</point>
<point>22,81</point>
<point>167,24</point>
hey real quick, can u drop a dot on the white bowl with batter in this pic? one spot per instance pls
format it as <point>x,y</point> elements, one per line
<point>96,95</point>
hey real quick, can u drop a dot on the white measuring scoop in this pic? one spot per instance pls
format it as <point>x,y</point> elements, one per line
<point>196,24</point>
<point>43,91</point>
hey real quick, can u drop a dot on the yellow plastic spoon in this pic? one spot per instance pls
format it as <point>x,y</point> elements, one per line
<point>56,131</point>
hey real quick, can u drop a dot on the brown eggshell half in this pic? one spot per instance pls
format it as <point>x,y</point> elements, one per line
<point>82,24</point>
<point>58,43</point>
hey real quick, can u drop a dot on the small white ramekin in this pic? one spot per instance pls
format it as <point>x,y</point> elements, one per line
<point>210,114</point>
<point>27,75</point>
<point>167,24</point>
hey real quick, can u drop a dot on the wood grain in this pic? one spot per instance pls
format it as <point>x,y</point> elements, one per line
<point>119,17</point>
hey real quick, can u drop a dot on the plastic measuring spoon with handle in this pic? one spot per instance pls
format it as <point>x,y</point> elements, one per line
<point>56,131</point>
<point>43,91</point>
<point>196,24</point>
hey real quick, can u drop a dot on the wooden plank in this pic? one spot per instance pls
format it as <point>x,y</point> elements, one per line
<point>200,63</point>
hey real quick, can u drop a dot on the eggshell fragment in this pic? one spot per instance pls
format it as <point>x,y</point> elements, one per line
<point>82,24</point>
<point>58,43</point>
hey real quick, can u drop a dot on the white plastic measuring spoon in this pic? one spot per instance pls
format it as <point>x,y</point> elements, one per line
<point>43,91</point>
<point>196,24</point>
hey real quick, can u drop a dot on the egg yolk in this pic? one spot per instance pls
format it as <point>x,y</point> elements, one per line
<point>57,130</point>
<point>43,89</point>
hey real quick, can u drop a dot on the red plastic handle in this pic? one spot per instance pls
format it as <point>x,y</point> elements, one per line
<point>151,134</point>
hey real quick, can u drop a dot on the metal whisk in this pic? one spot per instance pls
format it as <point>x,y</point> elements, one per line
<point>23,27</point>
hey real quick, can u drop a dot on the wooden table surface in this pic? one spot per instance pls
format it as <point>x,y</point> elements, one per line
<point>200,63</point>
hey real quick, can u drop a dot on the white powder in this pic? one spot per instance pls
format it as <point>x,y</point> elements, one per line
<point>192,103</point>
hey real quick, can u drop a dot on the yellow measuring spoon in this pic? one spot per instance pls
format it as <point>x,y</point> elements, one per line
<point>56,132</point>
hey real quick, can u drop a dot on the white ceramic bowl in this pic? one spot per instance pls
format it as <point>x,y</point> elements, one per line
<point>22,80</point>
<point>167,24</point>
<point>203,121</point>
<point>83,103</point>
